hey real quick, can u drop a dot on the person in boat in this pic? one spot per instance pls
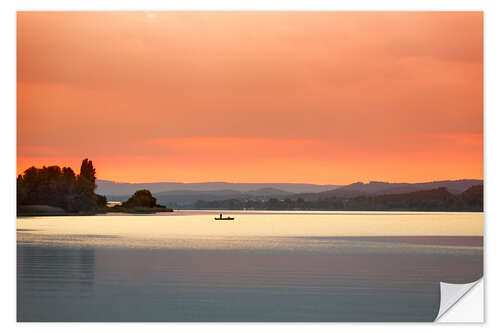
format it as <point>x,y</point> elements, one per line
<point>220,215</point>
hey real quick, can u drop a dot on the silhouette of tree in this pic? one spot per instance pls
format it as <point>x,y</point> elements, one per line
<point>58,187</point>
<point>87,170</point>
<point>101,200</point>
<point>141,198</point>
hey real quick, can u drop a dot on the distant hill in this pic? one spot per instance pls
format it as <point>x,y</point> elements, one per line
<point>185,195</point>
<point>110,188</point>
<point>182,198</point>
<point>382,188</point>
<point>437,199</point>
<point>187,198</point>
<point>269,192</point>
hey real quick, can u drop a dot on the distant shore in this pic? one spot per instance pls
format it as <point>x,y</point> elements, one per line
<point>44,210</point>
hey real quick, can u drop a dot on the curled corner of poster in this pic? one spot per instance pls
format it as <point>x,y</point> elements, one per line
<point>461,303</point>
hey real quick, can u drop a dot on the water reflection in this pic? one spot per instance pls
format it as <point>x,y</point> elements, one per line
<point>49,279</point>
<point>127,284</point>
<point>264,267</point>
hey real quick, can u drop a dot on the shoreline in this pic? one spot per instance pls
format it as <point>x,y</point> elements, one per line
<point>42,210</point>
<point>133,211</point>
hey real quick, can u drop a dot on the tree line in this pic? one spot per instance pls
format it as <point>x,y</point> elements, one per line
<point>60,187</point>
<point>439,199</point>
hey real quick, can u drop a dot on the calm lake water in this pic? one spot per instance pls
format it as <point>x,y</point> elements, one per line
<point>264,266</point>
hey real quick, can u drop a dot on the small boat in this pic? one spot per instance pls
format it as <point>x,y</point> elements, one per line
<point>220,218</point>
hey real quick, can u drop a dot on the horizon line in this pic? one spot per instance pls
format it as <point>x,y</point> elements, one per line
<point>295,183</point>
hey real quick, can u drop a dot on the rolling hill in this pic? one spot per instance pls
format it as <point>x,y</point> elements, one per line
<point>185,195</point>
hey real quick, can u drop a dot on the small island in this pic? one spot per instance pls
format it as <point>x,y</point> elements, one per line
<point>140,202</point>
<point>54,190</point>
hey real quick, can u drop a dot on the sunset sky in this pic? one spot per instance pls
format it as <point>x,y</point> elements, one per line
<point>309,97</point>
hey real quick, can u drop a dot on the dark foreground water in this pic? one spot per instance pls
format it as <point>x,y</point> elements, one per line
<point>344,279</point>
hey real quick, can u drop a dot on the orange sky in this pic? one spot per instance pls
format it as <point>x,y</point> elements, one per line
<point>327,98</point>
